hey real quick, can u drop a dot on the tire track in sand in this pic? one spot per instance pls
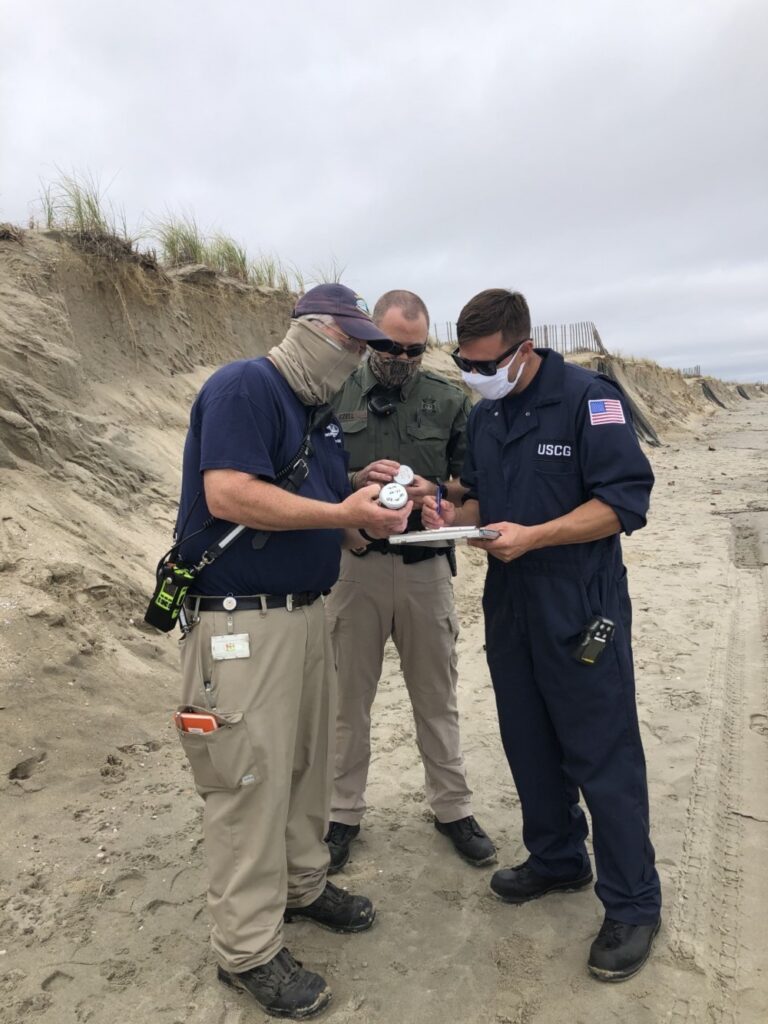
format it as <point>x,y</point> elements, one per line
<point>705,927</point>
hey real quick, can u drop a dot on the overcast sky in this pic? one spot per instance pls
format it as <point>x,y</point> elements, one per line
<point>609,159</point>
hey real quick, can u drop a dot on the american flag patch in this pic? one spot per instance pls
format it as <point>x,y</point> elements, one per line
<point>605,410</point>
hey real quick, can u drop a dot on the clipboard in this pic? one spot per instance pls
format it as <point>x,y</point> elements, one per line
<point>445,533</point>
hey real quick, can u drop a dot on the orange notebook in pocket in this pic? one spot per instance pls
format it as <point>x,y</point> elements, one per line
<point>195,721</point>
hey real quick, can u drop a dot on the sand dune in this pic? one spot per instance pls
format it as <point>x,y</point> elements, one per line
<point>102,911</point>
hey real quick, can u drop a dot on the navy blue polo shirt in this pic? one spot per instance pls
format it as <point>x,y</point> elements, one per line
<point>567,438</point>
<point>247,418</point>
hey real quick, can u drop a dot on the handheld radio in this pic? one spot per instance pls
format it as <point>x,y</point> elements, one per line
<point>173,582</point>
<point>593,641</point>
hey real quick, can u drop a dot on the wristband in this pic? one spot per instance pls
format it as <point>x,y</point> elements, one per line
<point>367,536</point>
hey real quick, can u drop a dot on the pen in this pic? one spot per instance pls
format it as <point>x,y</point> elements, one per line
<point>439,497</point>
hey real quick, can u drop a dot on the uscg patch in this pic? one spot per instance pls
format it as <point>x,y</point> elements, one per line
<point>554,449</point>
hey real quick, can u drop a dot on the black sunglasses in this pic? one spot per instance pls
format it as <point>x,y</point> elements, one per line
<point>380,345</point>
<point>412,351</point>
<point>485,367</point>
<point>394,348</point>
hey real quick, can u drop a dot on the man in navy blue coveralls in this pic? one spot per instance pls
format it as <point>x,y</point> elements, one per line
<point>554,464</point>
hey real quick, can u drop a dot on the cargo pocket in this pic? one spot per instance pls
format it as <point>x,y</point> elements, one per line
<point>223,759</point>
<point>332,625</point>
<point>453,625</point>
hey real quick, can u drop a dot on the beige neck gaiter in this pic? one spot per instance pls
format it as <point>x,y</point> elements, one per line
<point>314,365</point>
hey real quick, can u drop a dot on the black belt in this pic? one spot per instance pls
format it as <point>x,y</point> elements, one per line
<point>251,602</point>
<point>408,552</point>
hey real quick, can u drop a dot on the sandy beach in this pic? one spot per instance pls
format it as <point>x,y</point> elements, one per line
<point>102,882</point>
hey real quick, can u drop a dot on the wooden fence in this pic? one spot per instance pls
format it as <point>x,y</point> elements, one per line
<point>568,338</point>
<point>564,338</point>
<point>444,333</point>
<point>691,371</point>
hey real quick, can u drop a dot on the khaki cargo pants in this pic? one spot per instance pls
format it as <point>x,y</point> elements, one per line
<point>379,596</point>
<point>264,775</point>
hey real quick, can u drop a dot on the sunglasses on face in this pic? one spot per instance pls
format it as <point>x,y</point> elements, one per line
<point>485,367</point>
<point>412,351</point>
<point>394,348</point>
<point>380,345</point>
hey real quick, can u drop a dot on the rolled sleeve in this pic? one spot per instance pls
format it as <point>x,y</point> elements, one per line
<point>615,469</point>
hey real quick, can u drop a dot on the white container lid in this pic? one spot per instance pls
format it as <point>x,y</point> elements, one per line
<point>393,496</point>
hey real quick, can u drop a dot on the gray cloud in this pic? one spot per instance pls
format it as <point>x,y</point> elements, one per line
<point>608,161</point>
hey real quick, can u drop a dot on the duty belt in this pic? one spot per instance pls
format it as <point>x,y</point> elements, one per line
<point>250,602</point>
<point>408,552</point>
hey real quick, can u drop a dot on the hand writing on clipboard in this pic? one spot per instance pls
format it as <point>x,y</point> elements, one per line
<point>513,540</point>
<point>437,511</point>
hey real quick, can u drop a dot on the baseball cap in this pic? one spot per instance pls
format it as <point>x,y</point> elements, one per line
<point>348,309</point>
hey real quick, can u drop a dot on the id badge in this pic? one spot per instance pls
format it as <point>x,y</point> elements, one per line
<point>232,645</point>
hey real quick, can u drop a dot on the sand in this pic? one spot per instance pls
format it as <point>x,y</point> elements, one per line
<point>102,880</point>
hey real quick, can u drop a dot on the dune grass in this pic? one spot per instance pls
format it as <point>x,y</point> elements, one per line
<point>228,257</point>
<point>76,205</point>
<point>329,273</point>
<point>630,357</point>
<point>271,272</point>
<point>10,233</point>
<point>181,240</point>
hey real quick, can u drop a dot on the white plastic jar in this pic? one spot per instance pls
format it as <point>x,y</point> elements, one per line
<point>393,496</point>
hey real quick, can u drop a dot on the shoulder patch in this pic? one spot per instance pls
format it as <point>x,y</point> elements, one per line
<point>605,410</point>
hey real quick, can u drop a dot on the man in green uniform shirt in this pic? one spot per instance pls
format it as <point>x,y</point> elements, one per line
<point>395,413</point>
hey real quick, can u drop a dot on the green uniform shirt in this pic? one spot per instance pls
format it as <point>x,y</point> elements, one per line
<point>427,430</point>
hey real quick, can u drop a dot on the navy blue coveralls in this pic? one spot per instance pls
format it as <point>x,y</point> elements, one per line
<point>567,726</point>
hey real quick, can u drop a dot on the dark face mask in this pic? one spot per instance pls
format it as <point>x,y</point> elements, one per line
<point>392,373</point>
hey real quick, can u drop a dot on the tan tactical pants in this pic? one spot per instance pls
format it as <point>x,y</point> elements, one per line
<point>265,774</point>
<point>378,596</point>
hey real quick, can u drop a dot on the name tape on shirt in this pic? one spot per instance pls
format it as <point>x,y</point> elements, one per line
<point>605,410</point>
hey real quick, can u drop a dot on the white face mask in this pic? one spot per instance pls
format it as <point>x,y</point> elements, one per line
<point>495,387</point>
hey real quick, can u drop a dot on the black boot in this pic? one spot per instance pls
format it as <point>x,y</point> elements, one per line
<point>339,839</point>
<point>521,883</point>
<point>469,840</point>
<point>337,910</point>
<point>282,987</point>
<point>620,950</point>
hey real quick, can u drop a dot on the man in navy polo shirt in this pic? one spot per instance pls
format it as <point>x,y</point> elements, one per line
<point>258,658</point>
<point>553,463</point>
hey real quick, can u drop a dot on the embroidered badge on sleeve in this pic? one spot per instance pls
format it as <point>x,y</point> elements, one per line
<point>605,410</point>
